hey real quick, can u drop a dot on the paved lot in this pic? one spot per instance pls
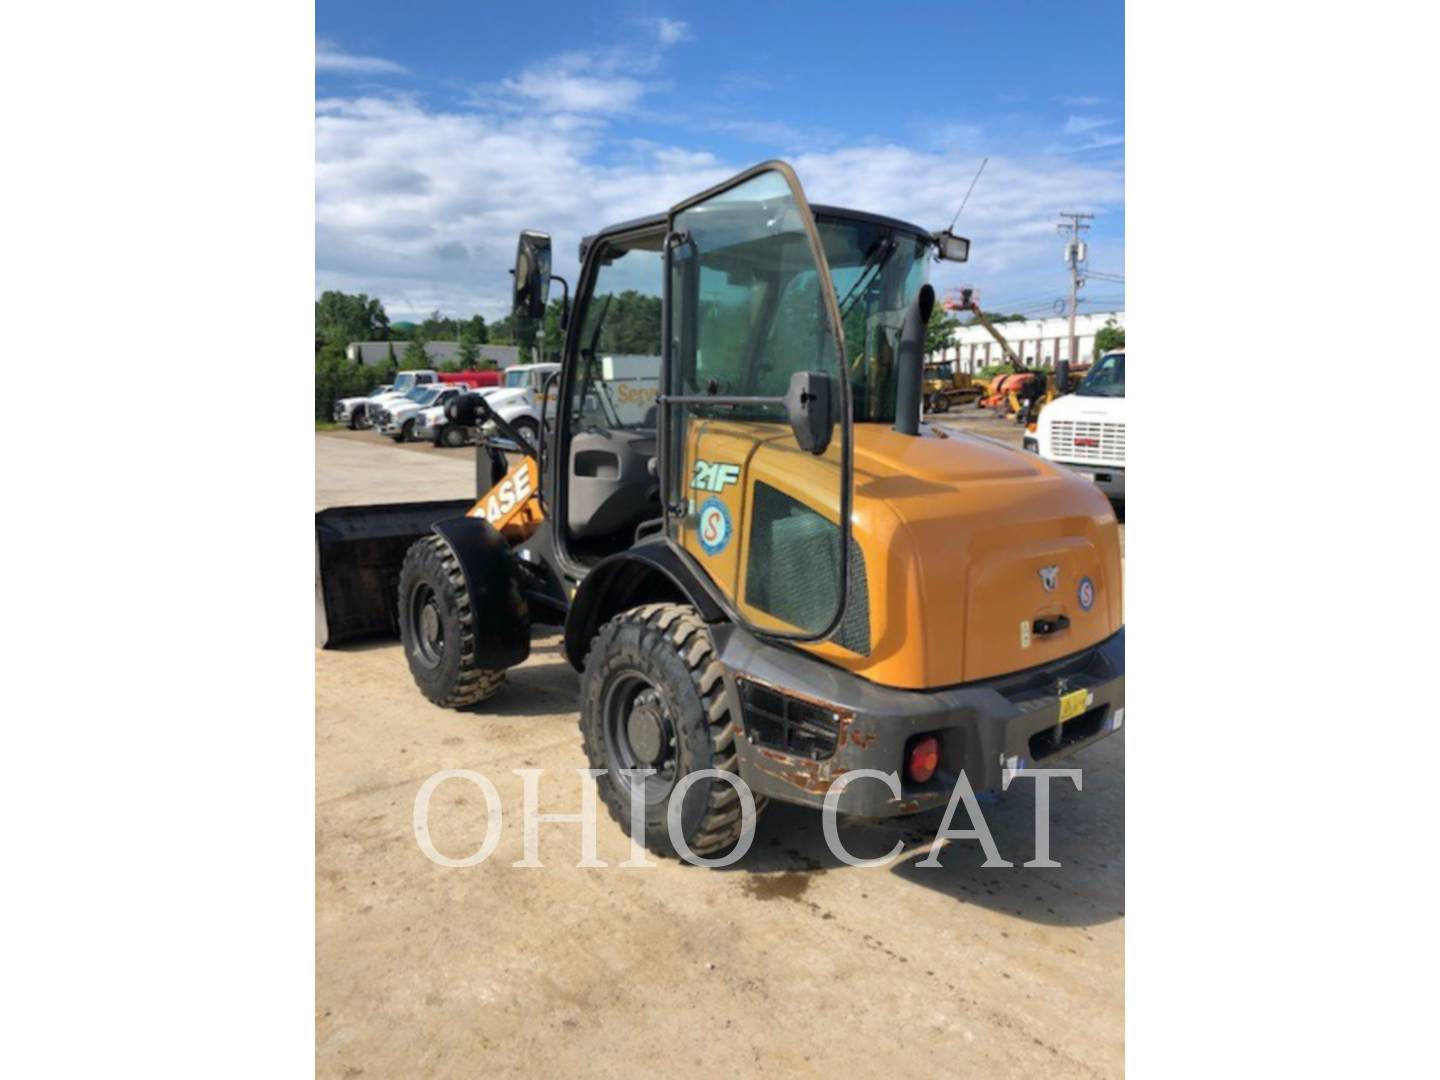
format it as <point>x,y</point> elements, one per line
<point>790,961</point>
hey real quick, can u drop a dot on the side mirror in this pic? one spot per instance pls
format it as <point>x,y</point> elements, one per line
<point>532,276</point>
<point>810,407</point>
<point>950,247</point>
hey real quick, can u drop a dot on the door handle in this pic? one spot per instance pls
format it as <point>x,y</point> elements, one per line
<point>1051,626</point>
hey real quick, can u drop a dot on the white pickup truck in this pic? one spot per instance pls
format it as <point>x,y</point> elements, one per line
<point>359,412</point>
<point>518,402</point>
<point>400,417</point>
<point>1085,431</point>
<point>351,411</point>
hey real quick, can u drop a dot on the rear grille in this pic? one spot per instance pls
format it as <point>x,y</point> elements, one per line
<point>1088,440</point>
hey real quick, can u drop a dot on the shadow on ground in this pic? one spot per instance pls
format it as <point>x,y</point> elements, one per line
<point>1086,838</point>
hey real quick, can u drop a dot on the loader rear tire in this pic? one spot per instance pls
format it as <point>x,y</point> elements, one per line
<point>653,696</point>
<point>437,627</point>
<point>452,435</point>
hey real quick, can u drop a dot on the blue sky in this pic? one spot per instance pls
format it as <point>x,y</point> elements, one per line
<point>443,128</point>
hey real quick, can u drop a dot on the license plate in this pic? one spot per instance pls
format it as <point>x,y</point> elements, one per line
<point>1073,704</point>
<point>1085,475</point>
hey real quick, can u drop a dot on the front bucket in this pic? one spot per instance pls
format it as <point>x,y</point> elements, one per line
<point>358,554</point>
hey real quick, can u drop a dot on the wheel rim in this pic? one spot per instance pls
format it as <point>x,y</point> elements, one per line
<point>640,734</point>
<point>427,628</point>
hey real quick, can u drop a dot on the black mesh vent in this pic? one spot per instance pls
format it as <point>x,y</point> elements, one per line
<point>783,723</point>
<point>854,632</point>
<point>793,569</point>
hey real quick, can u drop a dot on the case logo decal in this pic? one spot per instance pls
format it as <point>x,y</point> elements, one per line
<point>714,475</point>
<point>1086,594</point>
<point>713,526</point>
<point>1049,577</point>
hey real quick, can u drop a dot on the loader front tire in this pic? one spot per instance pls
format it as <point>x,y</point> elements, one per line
<point>437,627</point>
<point>653,696</point>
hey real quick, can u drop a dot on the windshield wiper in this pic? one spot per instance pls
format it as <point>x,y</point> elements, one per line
<point>875,258</point>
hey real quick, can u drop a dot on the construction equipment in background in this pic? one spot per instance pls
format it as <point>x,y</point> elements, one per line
<point>945,387</point>
<point>1021,392</point>
<point>739,560</point>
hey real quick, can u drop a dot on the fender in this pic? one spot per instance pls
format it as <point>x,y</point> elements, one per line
<point>645,573</point>
<point>501,616</point>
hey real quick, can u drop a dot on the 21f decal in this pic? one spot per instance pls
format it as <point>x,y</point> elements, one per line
<point>714,475</point>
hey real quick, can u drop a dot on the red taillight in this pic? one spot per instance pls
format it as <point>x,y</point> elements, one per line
<point>1087,442</point>
<point>923,759</point>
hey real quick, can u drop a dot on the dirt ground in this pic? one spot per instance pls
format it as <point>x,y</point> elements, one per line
<point>790,961</point>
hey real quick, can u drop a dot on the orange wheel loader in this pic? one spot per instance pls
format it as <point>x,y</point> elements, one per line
<point>763,562</point>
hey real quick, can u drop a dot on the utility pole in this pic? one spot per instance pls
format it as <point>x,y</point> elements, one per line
<point>1074,256</point>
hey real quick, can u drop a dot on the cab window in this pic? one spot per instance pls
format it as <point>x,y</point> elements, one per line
<point>618,376</point>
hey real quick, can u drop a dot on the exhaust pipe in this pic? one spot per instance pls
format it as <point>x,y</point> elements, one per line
<point>910,363</point>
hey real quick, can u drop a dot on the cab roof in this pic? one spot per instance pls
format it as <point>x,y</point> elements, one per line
<point>654,221</point>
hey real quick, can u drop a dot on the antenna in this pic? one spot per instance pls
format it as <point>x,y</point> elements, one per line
<point>967,194</point>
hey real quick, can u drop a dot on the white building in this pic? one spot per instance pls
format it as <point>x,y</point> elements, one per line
<point>1038,342</point>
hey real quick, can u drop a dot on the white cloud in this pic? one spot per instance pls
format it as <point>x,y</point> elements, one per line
<point>576,92</point>
<point>1082,102</point>
<point>1079,125</point>
<point>671,31</point>
<point>598,82</point>
<point>330,57</point>
<point>421,207</point>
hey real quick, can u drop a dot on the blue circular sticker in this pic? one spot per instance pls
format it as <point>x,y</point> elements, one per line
<point>713,525</point>
<point>1087,594</point>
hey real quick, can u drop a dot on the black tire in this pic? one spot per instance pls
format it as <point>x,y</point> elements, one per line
<point>451,435</point>
<point>530,430</point>
<point>362,419</point>
<point>407,432</point>
<point>939,403</point>
<point>659,660</point>
<point>440,645</point>
<point>355,415</point>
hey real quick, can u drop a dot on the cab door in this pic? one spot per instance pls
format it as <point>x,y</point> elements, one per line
<point>757,500</point>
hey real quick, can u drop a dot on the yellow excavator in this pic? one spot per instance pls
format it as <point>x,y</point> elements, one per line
<point>767,568</point>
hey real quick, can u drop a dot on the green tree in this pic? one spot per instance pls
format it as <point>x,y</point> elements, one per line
<point>469,353</point>
<point>390,361</point>
<point>336,376</point>
<point>415,358</point>
<point>476,328</point>
<point>939,330</point>
<point>341,318</point>
<point>1109,338</point>
<point>502,332</point>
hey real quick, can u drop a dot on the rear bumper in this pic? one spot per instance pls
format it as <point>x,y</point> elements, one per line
<point>984,728</point>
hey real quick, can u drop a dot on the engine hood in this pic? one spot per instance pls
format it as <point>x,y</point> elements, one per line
<point>969,544</point>
<point>513,395</point>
